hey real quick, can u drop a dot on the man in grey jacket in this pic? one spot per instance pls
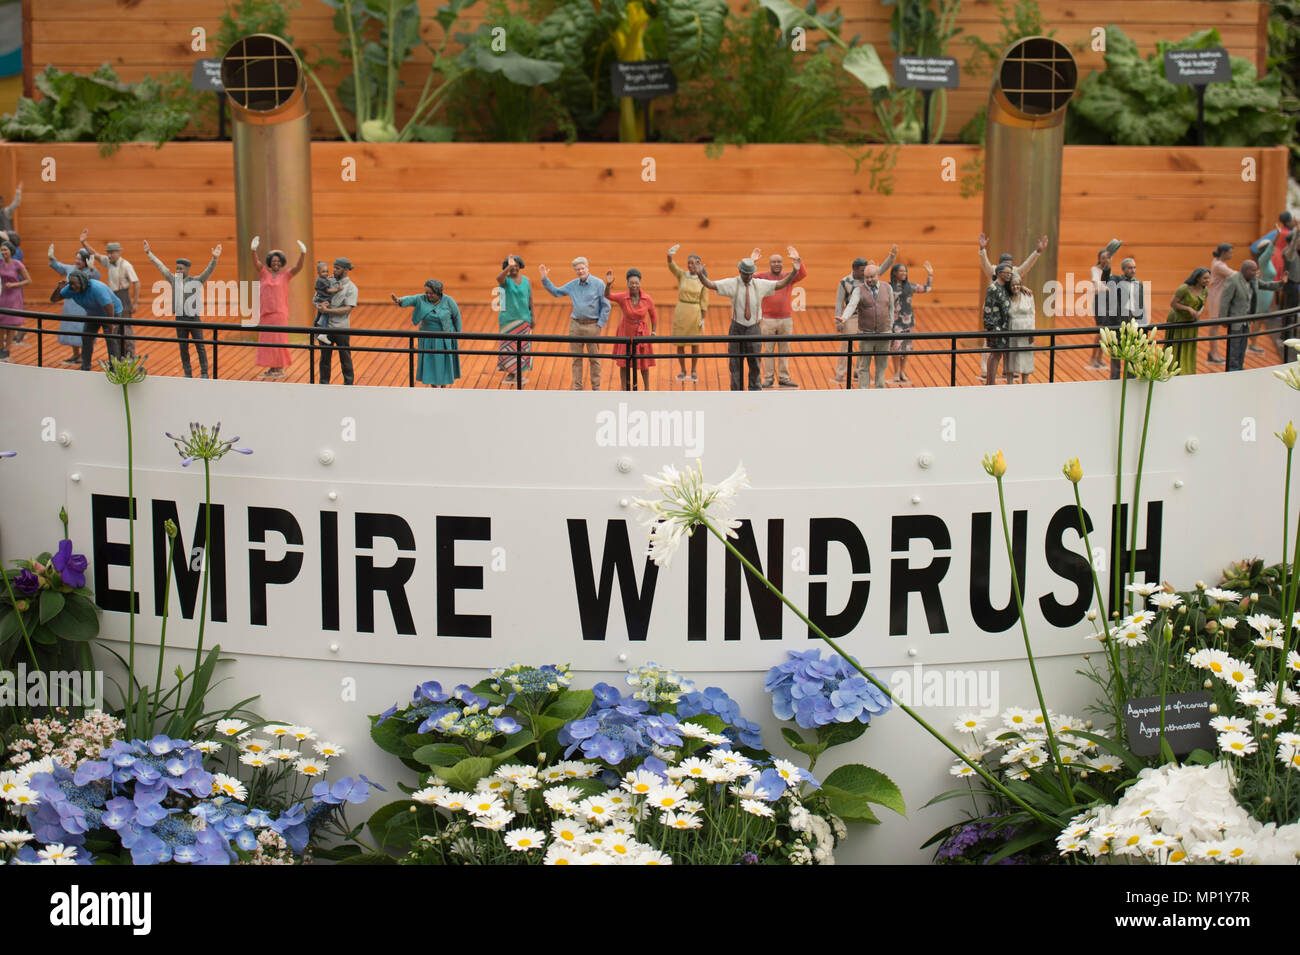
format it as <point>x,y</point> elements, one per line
<point>1240,301</point>
<point>187,306</point>
<point>873,304</point>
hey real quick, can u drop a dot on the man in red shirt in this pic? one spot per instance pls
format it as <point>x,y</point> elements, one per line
<point>778,318</point>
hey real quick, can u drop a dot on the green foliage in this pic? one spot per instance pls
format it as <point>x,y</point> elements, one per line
<point>1283,55</point>
<point>758,90</point>
<point>503,96</point>
<point>100,108</point>
<point>1130,103</point>
<point>917,28</point>
<point>1022,20</point>
<point>243,17</point>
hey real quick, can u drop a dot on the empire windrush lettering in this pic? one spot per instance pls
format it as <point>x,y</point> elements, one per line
<point>376,555</point>
<point>90,908</point>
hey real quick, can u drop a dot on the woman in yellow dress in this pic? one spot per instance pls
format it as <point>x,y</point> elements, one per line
<point>1187,305</point>
<point>692,306</point>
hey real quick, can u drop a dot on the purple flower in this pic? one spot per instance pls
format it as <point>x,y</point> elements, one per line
<point>27,583</point>
<point>71,567</point>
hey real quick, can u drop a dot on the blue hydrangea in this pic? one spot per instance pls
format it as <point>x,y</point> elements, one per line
<point>815,692</point>
<point>715,701</point>
<point>617,728</point>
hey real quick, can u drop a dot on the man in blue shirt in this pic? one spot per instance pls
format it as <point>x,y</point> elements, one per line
<point>101,305</point>
<point>590,312</point>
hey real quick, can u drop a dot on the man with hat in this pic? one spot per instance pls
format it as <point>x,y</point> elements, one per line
<point>120,277</point>
<point>187,306</point>
<point>337,312</point>
<point>747,293</point>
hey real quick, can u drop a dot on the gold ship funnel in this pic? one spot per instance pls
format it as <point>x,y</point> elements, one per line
<point>1025,134</point>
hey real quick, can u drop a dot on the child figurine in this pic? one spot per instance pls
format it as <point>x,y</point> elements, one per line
<point>326,285</point>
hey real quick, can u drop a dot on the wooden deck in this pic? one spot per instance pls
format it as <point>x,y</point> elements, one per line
<point>555,372</point>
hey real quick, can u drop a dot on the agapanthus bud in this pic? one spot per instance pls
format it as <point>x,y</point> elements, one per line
<point>1287,435</point>
<point>1072,470</point>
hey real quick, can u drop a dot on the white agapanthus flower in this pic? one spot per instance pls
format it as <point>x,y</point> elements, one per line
<point>685,501</point>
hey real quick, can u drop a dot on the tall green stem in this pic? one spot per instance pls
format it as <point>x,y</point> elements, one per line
<point>162,637</point>
<point>985,774</point>
<point>22,624</point>
<point>1117,539</point>
<point>207,550</point>
<point>1288,613</point>
<point>130,523</point>
<point>1029,652</point>
<point>1137,491</point>
<point>1109,645</point>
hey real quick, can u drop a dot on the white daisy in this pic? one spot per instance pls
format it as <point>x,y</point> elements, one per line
<point>1164,600</point>
<point>208,746</point>
<point>597,809</point>
<point>256,760</point>
<point>430,794</point>
<point>58,854</point>
<point>301,733</point>
<point>680,820</point>
<point>311,767</point>
<point>230,727</point>
<point>14,837</point>
<point>666,797</point>
<point>559,854</point>
<point>284,755</point>
<point>454,801</point>
<point>252,744</point>
<point>1222,596</point>
<point>1237,744</point>
<point>641,781</point>
<point>1142,590</point>
<point>567,831</point>
<point>278,729</point>
<point>523,840</point>
<point>1229,724</point>
<point>484,804</point>
<point>969,723</point>
<point>756,808</point>
<point>329,750</point>
<point>961,769</point>
<point>494,822</point>
<point>228,786</point>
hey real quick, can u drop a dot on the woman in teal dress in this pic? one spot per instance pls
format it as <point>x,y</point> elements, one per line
<point>435,312</point>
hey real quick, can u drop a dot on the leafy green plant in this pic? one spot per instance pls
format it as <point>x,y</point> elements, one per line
<point>1130,103</point>
<point>759,91</point>
<point>503,96</point>
<point>586,37</point>
<point>377,37</point>
<point>1283,54</point>
<point>916,28</point>
<point>100,108</point>
<point>1019,21</point>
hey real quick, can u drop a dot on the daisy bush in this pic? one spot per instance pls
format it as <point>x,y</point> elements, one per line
<point>661,774</point>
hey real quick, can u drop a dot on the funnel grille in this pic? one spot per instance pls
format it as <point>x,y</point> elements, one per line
<point>260,73</point>
<point>1038,76</point>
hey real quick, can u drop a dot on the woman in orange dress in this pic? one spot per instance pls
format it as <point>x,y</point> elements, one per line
<point>639,320</point>
<point>273,300</point>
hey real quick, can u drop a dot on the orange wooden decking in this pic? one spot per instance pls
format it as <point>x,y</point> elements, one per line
<point>555,372</point>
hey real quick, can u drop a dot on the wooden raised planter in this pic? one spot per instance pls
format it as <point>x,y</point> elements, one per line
<point>454,211</point>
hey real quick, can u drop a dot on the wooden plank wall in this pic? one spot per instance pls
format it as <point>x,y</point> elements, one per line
<point>154,36</point>
<point>453,211</point>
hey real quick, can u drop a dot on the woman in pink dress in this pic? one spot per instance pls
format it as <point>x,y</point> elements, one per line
<point>13,276</point>
<point>273,300</point>
<point>1220,272</point>
<point>639,320</point>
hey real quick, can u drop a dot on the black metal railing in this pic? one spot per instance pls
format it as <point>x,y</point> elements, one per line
<point>1278,325</point>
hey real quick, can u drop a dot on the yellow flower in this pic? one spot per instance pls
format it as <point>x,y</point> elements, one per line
<point>1072,470</point>
<point>995,465</point>
<point>1287,435</point>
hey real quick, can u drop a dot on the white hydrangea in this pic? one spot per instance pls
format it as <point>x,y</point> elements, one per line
<point>1185,814</point>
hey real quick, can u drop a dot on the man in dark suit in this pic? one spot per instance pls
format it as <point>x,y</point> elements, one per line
<point>1240,301</point>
